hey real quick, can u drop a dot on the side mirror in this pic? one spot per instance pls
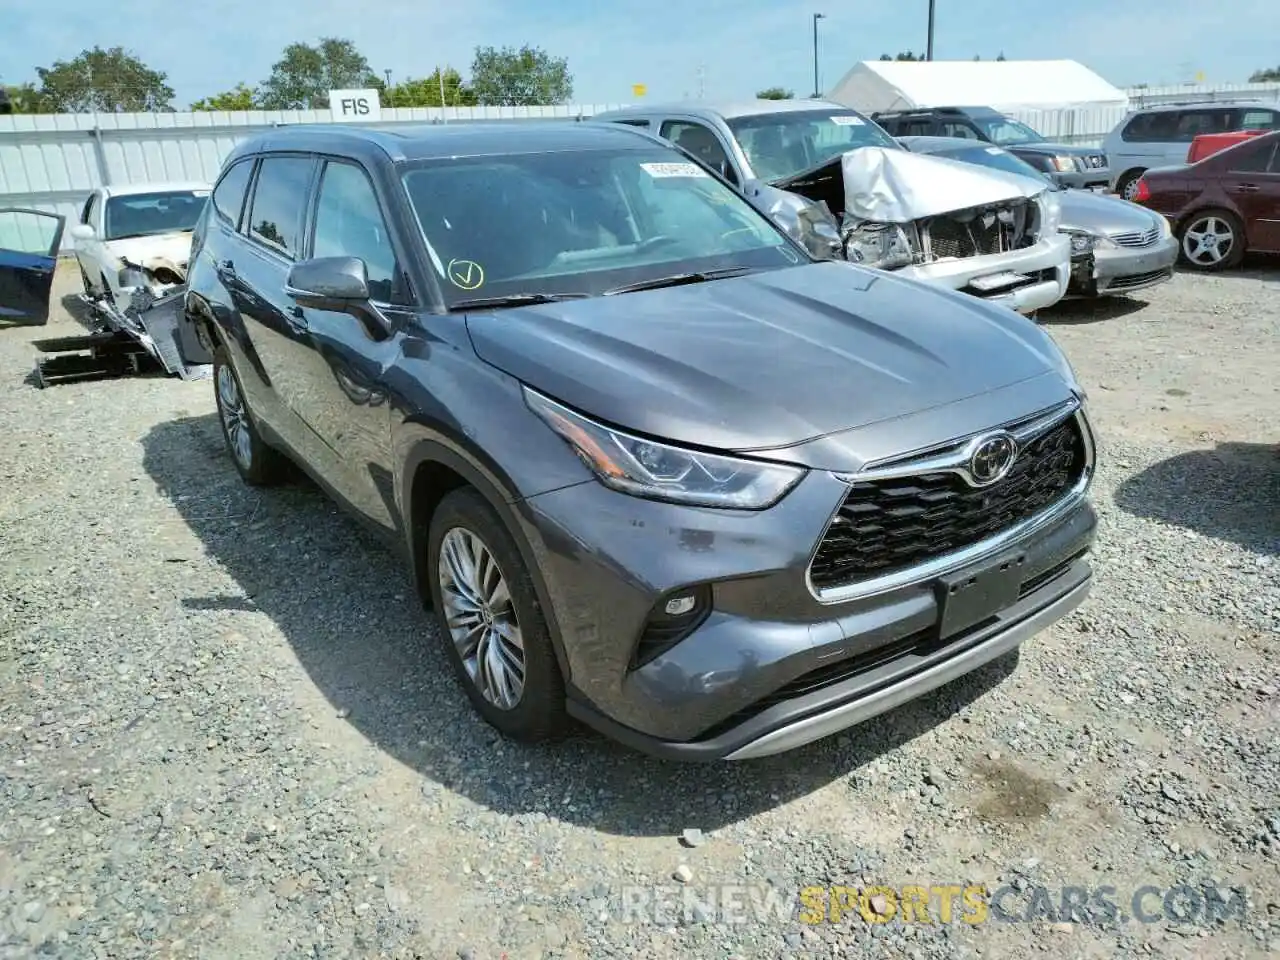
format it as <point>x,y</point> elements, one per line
<point>338,285</point>
<point>82,231</point>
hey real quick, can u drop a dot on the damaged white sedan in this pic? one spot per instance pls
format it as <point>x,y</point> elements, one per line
<point>136,238</point>
<point>844,188</point>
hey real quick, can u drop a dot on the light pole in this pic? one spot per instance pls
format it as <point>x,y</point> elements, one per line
<point>929,49</point>
<point>817,91</point>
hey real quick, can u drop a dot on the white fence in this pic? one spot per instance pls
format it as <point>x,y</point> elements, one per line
<point>52,161</point>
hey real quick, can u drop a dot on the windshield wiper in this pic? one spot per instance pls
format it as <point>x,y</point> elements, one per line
<point>515,300</point>
<point>678,279</point>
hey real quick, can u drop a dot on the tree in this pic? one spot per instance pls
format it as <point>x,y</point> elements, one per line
<point>775,93</point>
<point>525,77</point>
<point>1265,76</point>
<point>903,57</point>
<point>108,81</point>
<point>425,92</point>
<point>303,76</point>
<point>241,98</point>
<point>24,98</point>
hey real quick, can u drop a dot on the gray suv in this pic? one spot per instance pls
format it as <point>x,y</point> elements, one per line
<point>652,466</point>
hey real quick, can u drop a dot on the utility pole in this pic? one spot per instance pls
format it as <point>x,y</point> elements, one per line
<point>817,89</point>
<point>390,97</point>
<point>929,49</point>
<point>440,77</point>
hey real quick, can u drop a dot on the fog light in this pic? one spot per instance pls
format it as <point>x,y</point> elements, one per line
<point>678,606</point>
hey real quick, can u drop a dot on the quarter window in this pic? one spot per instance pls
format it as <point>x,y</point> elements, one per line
<point>349,223</point>
<point>1158,127</point>
<point>278,200</point>
<point>228,195</point>
<point>1259,120</point>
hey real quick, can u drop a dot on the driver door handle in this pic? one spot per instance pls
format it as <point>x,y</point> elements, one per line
<point>1246,188</point>
<point>297,320</point>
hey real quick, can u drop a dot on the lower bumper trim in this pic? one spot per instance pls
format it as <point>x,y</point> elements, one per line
<point>850,714</point>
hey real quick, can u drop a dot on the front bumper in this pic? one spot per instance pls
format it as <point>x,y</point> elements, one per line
<point>1046,267</point>
<point>1083,179</point>
<point>1121,270</point>
<point>772,665</point>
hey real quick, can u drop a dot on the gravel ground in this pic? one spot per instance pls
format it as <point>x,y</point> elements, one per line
<point>227,730</point>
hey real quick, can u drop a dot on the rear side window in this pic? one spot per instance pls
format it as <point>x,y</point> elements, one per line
<point>228,195</point>
<point>1194,123</point>
<point>634,123</point>
<point>278,201</point>
<point>1151,127</point>
<point>956,128</point>
<point>1259,120</point>
<point>1255,158</point>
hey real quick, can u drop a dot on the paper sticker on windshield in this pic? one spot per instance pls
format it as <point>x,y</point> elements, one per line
<point>843,121</point>
<point>995,151</point>
<point>466,274</point>
<point>673,170</point>
<point>199,193</point>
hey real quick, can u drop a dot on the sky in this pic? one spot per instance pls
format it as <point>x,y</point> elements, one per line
<point>717,48</point>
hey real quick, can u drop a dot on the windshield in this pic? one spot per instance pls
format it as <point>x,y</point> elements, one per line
<point>1007,130</point>
<point>144,214</point>
<point>582,222</point>
<point>997,159</point>
<point>780,145</point>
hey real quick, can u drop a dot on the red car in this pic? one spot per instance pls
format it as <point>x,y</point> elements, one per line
<point>1223,205</point>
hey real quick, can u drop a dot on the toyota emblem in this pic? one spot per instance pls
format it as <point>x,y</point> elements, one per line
<point>992,457</point>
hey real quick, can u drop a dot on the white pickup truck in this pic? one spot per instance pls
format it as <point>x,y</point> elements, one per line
<point>987,234</point>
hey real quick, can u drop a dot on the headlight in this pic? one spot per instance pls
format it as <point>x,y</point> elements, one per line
<point>659,471</point>
<point>885,246</point>
<point>130,276</point>
<point>1165,227</point>
<point>1051,212</point>
<point>1081,242</point>
<point>1064,163</point>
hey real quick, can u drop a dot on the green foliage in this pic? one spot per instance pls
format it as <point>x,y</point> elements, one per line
<point>425,92</point>
<point>1270,75</point>
<point>241,98</point>
<point>528,76</point>
<point>108,81</point>
<point>908,57</point>
<point>775,93</point>
<point>302,78</point>
<point>24,98</point>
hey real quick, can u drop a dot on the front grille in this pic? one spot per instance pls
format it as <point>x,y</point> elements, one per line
<point>1097,161</point>
<point>892,524</point>
<point>1139,279</point>
<point>1137,238</point>
<point>981,232</point>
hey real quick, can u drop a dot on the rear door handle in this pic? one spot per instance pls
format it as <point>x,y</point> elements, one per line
<point>1246,188</point>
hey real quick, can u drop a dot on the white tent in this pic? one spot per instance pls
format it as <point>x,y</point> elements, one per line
<point>1007,85</point>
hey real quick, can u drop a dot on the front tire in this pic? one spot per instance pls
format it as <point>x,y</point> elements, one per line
<point>257,463</point>
<point>494,632</point>
<point>1211,240</point>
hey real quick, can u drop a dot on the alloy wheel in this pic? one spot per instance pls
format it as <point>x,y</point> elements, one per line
<point>480,617</point>
<point>235,418</point>
<point>1208,241</point>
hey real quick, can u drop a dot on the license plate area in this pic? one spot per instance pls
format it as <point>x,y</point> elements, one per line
<point>998,281</point>
<point>968,597</point>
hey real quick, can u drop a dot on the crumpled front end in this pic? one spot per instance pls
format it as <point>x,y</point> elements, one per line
<point>991,234</point>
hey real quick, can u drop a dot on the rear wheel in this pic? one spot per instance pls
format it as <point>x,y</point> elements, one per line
<point>494,632</point>
<point>1212,240</point>
<point>1127,185</point>
<point>257,463</point>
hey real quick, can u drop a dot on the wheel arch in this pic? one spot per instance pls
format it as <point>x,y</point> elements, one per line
<point>432,468</point>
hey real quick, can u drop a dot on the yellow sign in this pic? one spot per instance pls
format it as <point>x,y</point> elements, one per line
<point>1199,76</point>
<point>466,274</point>
<point>639,89</point>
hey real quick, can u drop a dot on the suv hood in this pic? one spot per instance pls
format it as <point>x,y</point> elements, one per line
<point>765,360</point>
<point>1054,149</point>
<point>895,185</point>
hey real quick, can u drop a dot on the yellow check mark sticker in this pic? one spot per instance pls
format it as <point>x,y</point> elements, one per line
<point>466,274</point>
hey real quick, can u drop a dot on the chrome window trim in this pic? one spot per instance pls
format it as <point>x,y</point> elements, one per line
<point>953,461</point>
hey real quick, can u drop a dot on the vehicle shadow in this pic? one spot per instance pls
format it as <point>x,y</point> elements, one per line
<point>344,603</point>
<point>1073,312</point>
<point>1231,492</point>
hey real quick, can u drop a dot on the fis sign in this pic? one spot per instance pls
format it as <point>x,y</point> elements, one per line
<point>355,105</point>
